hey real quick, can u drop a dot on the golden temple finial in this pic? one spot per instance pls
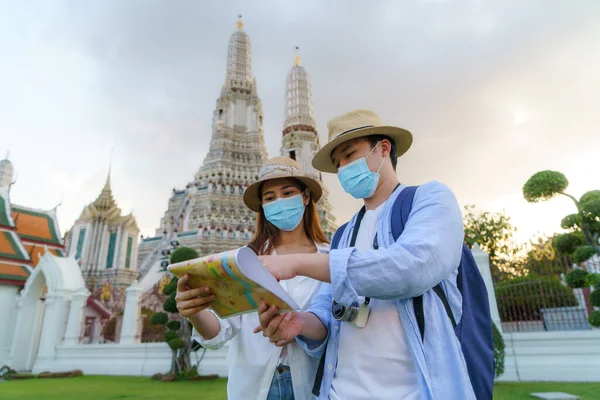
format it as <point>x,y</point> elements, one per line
<point>297,61</point>
<point>240,24</point>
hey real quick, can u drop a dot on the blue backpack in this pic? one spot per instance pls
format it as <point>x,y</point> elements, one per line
<point>474,330</point>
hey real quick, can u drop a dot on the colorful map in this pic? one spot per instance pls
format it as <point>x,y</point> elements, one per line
<point>235,292</point>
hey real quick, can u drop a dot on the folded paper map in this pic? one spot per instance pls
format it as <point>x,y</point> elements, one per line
<point>239,281</point>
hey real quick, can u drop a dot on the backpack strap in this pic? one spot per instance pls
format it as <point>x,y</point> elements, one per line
<point>337,236</point>
<point>400,214</point>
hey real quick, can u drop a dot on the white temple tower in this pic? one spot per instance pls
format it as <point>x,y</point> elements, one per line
<point>6,172</point>
<point>105,242</point>
<point>209,214</point>
<point>300,139</point>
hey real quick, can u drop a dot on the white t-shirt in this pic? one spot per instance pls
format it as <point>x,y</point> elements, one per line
<point>374,362</point>
<point>252,359</point>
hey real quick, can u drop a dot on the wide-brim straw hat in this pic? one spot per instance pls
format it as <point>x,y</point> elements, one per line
<point>277,168</point>
<point>355,124</point>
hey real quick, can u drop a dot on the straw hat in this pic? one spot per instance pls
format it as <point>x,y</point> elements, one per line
<point>276,168</point>
<point>355,124</point>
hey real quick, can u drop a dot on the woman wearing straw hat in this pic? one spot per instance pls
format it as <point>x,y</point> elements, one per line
<point>287,223</point>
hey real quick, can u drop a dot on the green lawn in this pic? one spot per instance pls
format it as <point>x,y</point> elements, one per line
<point>521,390</point>
<point>127,388</point>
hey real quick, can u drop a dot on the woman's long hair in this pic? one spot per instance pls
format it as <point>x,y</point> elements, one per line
<point>263,242</point>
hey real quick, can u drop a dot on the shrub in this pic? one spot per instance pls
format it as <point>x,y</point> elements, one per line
<point>170,335</point>
<point>583,253</point>
<point>174,325</point>
<point>593,280</point>
<point>577,278</point>
<point>498,352</point>
<point>594,319</point>
<point>170,305</point>
<point>595,298</point>
<point>183,254</point>
<point>522,298</point>
<point>176,344</point>
<point>159,318</point>
<point>171,287</point>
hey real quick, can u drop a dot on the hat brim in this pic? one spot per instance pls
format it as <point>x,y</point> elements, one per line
<point>252,195</point>
<point>402,139</point>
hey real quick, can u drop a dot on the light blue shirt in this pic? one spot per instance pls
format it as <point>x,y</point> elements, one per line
<point>428,252</point>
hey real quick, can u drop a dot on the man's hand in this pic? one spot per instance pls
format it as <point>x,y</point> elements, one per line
<point>281,267</point>
<point>281,329</point>
<point>192,301</point>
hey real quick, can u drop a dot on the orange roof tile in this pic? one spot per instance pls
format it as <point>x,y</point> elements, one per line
<point>13,272</point>
<point>37,251</point>
<point>35,225</point>
<point>9,246</point>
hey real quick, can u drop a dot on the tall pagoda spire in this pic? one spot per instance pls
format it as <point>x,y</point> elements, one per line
<point>239,60</point>
<point>105,200</point>
<point>209,214</point>
<point>300,138</point>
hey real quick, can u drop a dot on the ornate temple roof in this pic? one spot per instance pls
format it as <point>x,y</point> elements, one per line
<point>25,236</point>
<point>36,226</point>
<point>106,207</point>
<point>105,200</point>
<point>15,262</point>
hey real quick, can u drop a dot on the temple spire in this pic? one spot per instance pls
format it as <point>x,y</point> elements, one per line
<point>6,171</point>
<point>240,23</point>
<point>297,61</point>
<point>106,200</point>
<point>239,60</point>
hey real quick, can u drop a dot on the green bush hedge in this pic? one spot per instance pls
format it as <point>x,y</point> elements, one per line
<point>522,298</point>
<point>498,352</point>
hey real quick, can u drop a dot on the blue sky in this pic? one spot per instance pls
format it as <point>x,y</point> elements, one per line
<point>493,91</point>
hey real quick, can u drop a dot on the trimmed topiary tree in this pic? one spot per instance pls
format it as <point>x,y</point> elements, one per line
<point>179,332</point>
<point>584,226</point>
<point>579,278</point>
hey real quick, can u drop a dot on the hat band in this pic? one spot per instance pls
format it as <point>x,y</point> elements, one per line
<point>354,129</point>
<point>278,170</point>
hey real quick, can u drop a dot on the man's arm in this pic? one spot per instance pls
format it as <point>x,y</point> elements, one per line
<point>428,250</point>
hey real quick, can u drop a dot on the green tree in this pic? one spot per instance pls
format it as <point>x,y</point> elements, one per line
<point>584,226</point>
<point>494,233</point>
<point>579,278</point>
<point>179,332</point>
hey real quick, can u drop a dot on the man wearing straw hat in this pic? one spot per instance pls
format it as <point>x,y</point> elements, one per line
<point>362,325</point>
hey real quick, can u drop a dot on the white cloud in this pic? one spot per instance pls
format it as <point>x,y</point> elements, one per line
<point>493,92</point>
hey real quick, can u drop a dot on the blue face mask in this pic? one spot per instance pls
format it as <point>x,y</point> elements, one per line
<point>357,179</point>
<point>286,214</point>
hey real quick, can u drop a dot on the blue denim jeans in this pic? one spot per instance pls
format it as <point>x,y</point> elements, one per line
<point>281,385</point>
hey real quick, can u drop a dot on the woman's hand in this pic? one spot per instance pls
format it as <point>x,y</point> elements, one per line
<point>192,301</point>
<point>281,329</point>
<point>281,267</point>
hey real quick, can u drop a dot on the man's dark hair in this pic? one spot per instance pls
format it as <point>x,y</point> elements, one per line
<point>374,139</point>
